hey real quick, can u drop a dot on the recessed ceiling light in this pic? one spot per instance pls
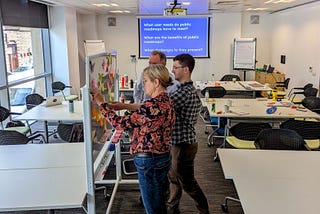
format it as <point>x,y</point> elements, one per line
<point>114,5</point>
<point>257,9</point>
<point>101,5</point>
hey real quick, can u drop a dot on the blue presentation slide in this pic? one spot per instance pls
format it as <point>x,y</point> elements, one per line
<point>174,36</point>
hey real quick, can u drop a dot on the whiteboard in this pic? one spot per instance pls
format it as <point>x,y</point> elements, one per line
<point>93,47</point>
<point>244,54</point>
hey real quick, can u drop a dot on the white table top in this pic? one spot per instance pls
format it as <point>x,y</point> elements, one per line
<point>30,156</point>
<point>46,176</point>
<point>279,195</point>
<point>274,181</point>
<point>235,86</point>
<point>34,189</point>
<point>255,108</point>
<point>269,163</point>
<point>54,113</point>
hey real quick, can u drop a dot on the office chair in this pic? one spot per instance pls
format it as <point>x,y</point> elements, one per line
<point>13,124</point>
<point>11,137</point>
<point>280,139</point>
<point>71,132</point>
<point>312,103</point>
<point>284,86</point>
<point>308,92</point>
<point>217,124</point>
<point>242,135</point>
<point>299,90</point>
<point>229,77</point>
<point>59,87</point>
<point>308,130</point>
<point>33,100</point>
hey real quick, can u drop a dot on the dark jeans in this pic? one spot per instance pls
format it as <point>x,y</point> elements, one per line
<point>181,176</point>
<point>152,176</point>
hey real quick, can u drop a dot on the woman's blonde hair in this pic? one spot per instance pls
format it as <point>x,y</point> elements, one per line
<point>160,72</point>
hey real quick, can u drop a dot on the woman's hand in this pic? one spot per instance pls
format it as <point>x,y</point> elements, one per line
<point>97,96</point>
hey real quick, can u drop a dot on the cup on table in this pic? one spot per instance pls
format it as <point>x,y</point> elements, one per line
<point>229,103</point>
<point>226,108</point>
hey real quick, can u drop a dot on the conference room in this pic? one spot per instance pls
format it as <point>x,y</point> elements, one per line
<point>286,38</point>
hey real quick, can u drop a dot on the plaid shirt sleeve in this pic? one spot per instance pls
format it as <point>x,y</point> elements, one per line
<point>187,105</point>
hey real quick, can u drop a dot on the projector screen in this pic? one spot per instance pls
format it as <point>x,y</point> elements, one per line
<point>174,35</point>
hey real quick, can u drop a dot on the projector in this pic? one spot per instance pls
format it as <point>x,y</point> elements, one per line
<point>175,12</point>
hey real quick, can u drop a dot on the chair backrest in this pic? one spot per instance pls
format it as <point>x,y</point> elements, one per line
<point>279,139</point>
<point>311,103</point>
<point>59,87</point>
<point>248,131</point>
<point>229,77</point>
<point>286,83</point>
<point>310,92</point>
<point>4,113</point>
<point>12,138</point>
<point>306,129</point>
<point>215,91</point>
<point>71,132</point>
<point>309,85</point>
<point>33,100</point>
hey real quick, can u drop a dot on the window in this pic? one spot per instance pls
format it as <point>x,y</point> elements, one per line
<point>24,62</point>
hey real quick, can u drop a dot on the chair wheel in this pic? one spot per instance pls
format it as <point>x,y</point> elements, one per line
<point>224,208</point>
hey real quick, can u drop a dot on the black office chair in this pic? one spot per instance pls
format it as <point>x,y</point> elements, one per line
<point>242,135</point>
<point>299,90</point>
<point>13,124</point>
<point>280,139</point>
<point>308,92</point>
<point>283,87</point>
<point>59,87</point>
<point>214,91</point>
<point>10,137</point>
<point>218,124</point>
<point>308,130</point>
<point>33,100</point>
<point>230,77</point>
<point>71,132</point>
<point>312,103</point>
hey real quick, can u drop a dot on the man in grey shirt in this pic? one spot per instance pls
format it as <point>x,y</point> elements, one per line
<point>156,57</point>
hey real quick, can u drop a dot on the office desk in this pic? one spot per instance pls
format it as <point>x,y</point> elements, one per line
<point>274,181</point>
<point>42,179</point>
<point>236,87</point>
<point>53,114</point>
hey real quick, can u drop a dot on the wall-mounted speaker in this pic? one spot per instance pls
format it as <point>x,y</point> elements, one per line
<point>112,21</point>
<point>254,19</point>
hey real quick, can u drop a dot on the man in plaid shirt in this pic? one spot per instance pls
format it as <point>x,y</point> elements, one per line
<point>184,148</point>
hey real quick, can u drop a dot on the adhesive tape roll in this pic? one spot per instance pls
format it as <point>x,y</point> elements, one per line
<point>271,110</point>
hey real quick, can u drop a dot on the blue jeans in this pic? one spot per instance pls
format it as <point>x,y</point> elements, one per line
<point>152,175</point>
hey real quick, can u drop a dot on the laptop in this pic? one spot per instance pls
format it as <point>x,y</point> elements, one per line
<point>53,101</point>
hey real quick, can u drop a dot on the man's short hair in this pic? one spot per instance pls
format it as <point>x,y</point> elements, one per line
<point>163,57</point>
<point>185,60</point>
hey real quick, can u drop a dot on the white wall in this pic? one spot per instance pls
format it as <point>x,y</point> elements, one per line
<point>64,46</point>
<point>296,34</point>
<point>124,39</point>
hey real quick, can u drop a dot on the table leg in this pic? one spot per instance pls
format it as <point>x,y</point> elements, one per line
<point>46,133</point>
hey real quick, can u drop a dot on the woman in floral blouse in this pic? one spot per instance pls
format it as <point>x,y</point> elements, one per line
<point>152,126</point>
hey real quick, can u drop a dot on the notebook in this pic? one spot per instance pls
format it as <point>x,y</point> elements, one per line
<point>53,100</point>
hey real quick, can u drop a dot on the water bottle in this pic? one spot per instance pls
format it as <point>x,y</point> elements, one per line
<point>71,106</point>
<point>206,95</point>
